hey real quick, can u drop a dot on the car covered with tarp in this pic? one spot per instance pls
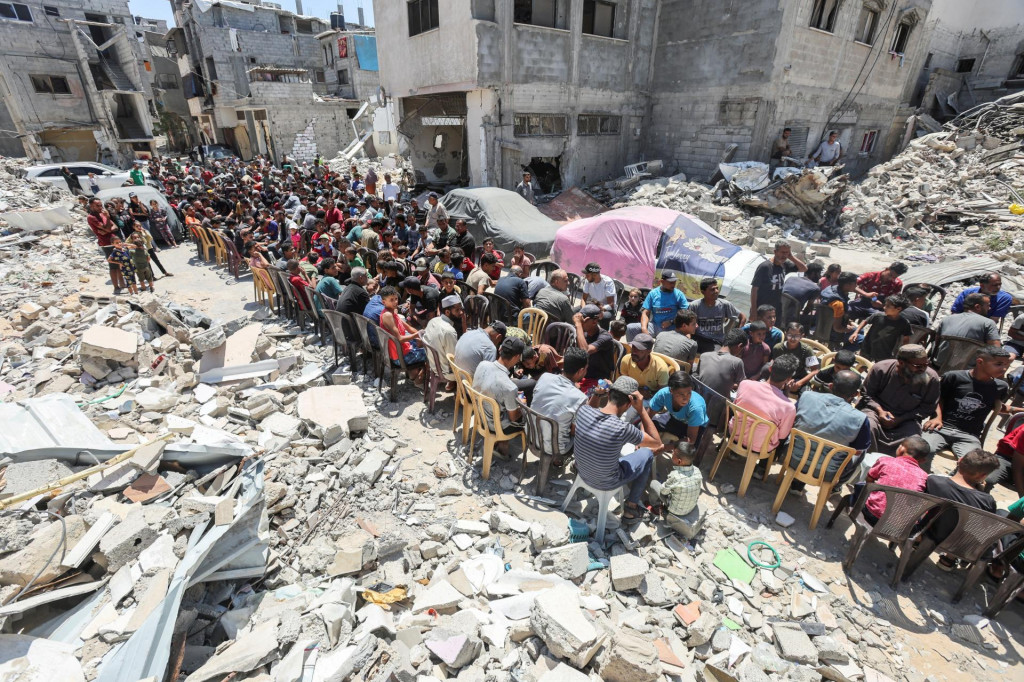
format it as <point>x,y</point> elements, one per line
<point>502,215</point>
<point>635,244</point>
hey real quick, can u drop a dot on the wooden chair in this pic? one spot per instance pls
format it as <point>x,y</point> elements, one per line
<point>861,364</point>
<point>535,320</point>
<point>462,399</point>
<point>818,454</point>
<point>740,425</point>
<point>482,405</point>
<point>819,349</point>
<point>560,336</point>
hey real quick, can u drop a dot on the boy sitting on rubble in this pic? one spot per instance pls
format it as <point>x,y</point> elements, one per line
<point>680,493</point>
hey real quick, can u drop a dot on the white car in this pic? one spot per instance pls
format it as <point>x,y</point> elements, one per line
<point>106,176</point>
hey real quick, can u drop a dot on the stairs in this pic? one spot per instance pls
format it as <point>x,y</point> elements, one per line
<point>117,76</point>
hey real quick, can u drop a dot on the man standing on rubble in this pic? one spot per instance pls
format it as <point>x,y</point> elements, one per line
<point>828,153</point>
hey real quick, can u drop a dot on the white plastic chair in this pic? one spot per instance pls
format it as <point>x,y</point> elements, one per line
<point>604,501</point>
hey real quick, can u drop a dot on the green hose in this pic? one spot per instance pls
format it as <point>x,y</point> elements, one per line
<point>753,560</point>
<point>106,398</point>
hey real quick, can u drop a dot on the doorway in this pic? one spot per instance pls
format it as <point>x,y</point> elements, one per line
<point>547,172</point>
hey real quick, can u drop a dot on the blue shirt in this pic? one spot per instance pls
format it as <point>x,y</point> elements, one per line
<point>999,304</point>
<point>693,413</point>
<point>664,305</point>
<point>774,336</point>
<point>374,308</point>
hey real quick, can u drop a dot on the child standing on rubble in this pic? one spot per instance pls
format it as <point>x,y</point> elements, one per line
<point>140,262</point>
<point>120,256</point>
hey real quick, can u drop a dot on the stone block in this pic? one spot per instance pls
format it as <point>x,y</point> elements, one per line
<point>334,406</point>
<point>126,540</point>
<point>556,617</point>
<point>453,648</point>
<point>568,561</point>
<point>21,566</point>
<point>206,340</point>
<point>109,343</point>
<point>284,425</point>
<point>652,589</point>
<point>703,629</point>
<point>630,657</point>
<point>30,311</point>
<point>830,649</point>
<point>156,400</point>
<point>222,508</point>
<point>441,596</point>
<point>371,467</point>
<point>819,250</point>
<point>472,527</point>
<point>794,645</point>
<point>628,571</point>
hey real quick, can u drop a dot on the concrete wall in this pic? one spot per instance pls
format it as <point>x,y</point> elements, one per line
<point>10,145</point>
<point>362,84</point>
<point>300,126</point>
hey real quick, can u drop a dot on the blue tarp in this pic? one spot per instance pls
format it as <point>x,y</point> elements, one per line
<point>366,52</point>
<point>694,252</point>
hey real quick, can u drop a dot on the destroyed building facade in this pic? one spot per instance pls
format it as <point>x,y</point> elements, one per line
<point>972,57</point>
<point>577,90</point>
<point>72,83</point>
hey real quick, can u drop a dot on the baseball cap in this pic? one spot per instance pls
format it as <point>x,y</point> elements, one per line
<point>132,194</point>
<point>449,301</point>
<point>590,310</point>
<point>668,276</point>
<point>592,268</point>
<point>626,385</point>
<point>432,195</point>
<point>421,265</point>
<point>513,344</point>
<point>411,283</point>
<point>499,327</point>
<point>642,342</point>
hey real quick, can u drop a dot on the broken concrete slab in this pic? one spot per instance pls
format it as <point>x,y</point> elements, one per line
<point>123,543</point>
<point>556,617</point>
<point>629,657</point>
<point>794,644</point>
<point>568,561</point>
<point>24,565</point>
<point>334,406</point>
<point>455,649</point>
<point>221,508</point>
<point>440,596</point>
<point>147,458</point>
<point>250,651</point>
<point>628,571</point>
<point>109,343</point>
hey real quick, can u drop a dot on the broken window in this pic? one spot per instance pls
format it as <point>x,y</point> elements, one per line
<point>965,65</point>
<point>423,16</point>
<point>343,76</point>
<point>211,69</point>
<point>15,10</point>
<point>384,136</point>
<point>866,25</point>
<point>598,18</point>
<point>598,124</point>
<point>867,143</point>
<point>549,13</point>
<point>539,125</point>
<point>319,76</point>
<point>166,81</point>
<point>303,26</point>
<point>900,38</point>
<point>823,14</point>
<point>284,23</point>
<point>51,11</point>
<point>53,85</point>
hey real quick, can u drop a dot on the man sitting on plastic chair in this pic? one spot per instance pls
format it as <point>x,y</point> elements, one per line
<point>600,437</point>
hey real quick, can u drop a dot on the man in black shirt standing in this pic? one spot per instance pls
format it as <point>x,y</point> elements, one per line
<point>966,398</point>
<point>464,240</point>
<point>766,287</point>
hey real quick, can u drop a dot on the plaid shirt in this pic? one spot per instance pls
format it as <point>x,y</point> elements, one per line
<point>682,489</point>
<point>872,281</point>
<point>897,472</point>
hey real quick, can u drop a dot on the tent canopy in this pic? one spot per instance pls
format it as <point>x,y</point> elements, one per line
<point>502,215</point>
<point>634,244</point>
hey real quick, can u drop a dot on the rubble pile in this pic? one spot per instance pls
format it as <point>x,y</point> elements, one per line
<point>397,166</point>
<point>18,195</point>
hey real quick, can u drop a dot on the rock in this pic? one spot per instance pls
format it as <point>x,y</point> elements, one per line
<point>794,644</point>
<point>156,399</point>
<point>109,343</point>
<point>30,310</point>
<point>284,425</point>
<point>455,649</point>
<point>784,519</point>
<point>568,561</point>
<point>831,650</point>
<point>472,527</point>
<point>250,651</point>
<point>371,467</point>
<point>628,571</point>
<point>557,619</point>
<point>206,340</point>
<point>652,589</point>
<point>629,657</point>
<point>334,406</point>
<point>703,629</point>
<point>21,566</point>
<point>221,508</point>
<point>563,673</point>
<point>440,597</point>
<point>124,541</point>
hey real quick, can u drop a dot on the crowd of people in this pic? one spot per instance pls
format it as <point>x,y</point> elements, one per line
<point>643,381</point>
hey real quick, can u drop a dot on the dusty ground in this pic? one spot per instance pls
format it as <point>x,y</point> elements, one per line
<point>928,647</point>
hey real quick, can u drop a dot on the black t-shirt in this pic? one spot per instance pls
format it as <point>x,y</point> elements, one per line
<point>884,336</point>
<point>967,402</point>
<point>513,289</point>
<point>602,363</point>
<point>915,316</point>
<point>944,487</point>
<point>429,300</point>
<point>353,299</point>
<point>466,243</point>
<point>769,278</point>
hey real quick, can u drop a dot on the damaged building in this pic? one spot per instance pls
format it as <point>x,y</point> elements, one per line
<point>576,90</point>
<point>255,78</point>
<point>72,84</point>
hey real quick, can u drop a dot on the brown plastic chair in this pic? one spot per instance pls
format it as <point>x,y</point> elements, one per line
<point>961,353</point>
<point>476,307</point>
<point>433,379</point>
<point>860,364</point>
<point>673,364</point>
<point>539,428</point>
<point>976,531</point>
<point>483,404</point>
<point>533,321</point>
<point>922,336</point>
<point>462,399</point>
<point>560,336</point>
<point>1013,581</point>
<point>387,338</point>
<point>813,469</point>
<point>904,510</point>
<point>746,423</point>
<point>231,256</point>
<point>262,287</point>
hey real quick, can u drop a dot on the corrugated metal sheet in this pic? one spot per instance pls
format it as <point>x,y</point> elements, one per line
<point>950,271</point>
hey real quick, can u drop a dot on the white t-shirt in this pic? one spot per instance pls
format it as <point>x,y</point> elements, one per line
<point>390,191</point>
<point>597,292</point>
<point>828,152</point>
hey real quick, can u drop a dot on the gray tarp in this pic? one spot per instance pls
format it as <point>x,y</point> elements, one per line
<point>503,216</point>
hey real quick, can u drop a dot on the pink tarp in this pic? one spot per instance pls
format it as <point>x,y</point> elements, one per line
<point>624,242</point>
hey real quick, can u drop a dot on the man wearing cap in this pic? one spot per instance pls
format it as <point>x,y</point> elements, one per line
<point>650,372</point>
<point>897,395</point>
<point>423,272</point>
<point>661,305</point>
<point>597,342</point>
<point>492,379</point>
<point>601,434</point>
<point>553,300</point>
<point>435,212</point>
<point>512,287</point>
<point>464,240</point>
<point>477,345</point>
<point>600,290</point>
<point>442,334</point>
